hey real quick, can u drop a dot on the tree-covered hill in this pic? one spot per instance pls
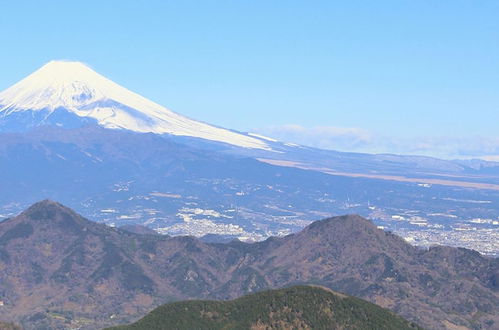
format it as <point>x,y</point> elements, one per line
<point>298,307</point>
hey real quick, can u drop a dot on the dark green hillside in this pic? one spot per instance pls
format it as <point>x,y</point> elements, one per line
<point>299,307</point>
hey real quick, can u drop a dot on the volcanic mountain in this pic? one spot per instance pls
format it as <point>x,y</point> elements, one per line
<point>70,94</point>
<point>61,270</point>
<point>69,134</point>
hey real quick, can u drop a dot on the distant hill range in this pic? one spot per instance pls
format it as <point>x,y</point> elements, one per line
<point>299,307</point>
<point>59,270</point>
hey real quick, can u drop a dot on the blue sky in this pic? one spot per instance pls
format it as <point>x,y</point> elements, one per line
<point>375,76</point>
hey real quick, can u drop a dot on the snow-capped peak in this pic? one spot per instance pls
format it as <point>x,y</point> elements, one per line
<point>75,87</point>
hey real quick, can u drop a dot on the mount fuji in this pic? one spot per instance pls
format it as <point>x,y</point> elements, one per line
<point>69,134</point>
<point>71,94</point>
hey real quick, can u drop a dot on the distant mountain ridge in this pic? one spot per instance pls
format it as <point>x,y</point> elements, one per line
<point>71,94</point>
<point>299,307</point>
<point>59,267</point>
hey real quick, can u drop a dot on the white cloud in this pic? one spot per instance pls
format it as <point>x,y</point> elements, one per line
<point>325,137</point>
<point>360,140</point>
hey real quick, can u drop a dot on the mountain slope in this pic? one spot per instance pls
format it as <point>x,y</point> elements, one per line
<point>301,307</point>
<point>59,268</point>
<point>70,94</point>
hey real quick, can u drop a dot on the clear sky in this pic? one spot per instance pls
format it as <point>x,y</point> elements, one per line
<point>378,76</point>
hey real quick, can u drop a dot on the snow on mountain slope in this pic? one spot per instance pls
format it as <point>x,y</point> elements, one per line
<point>75,87</point>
